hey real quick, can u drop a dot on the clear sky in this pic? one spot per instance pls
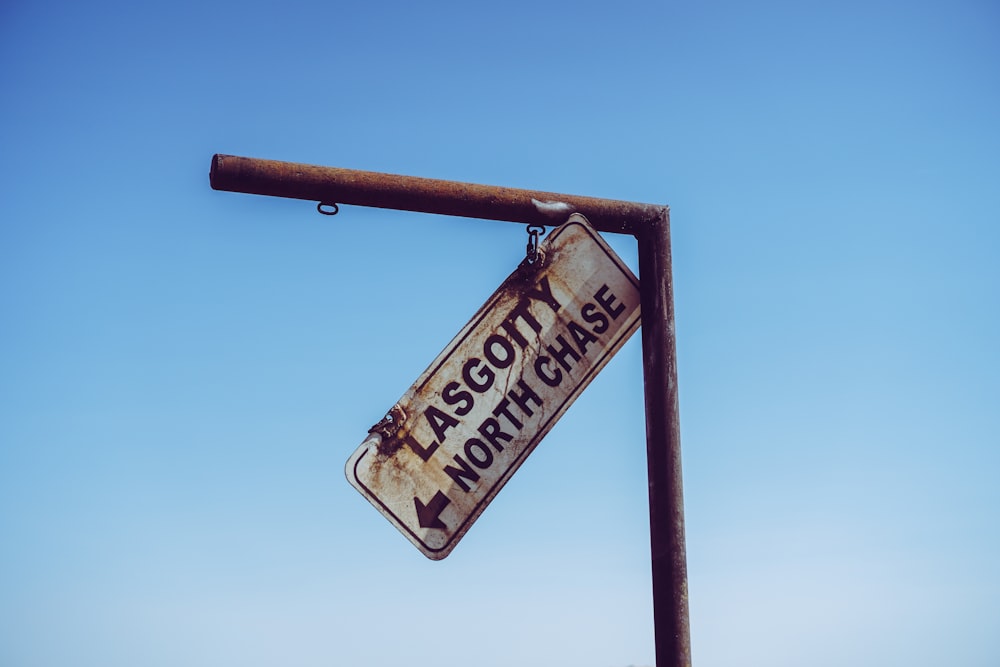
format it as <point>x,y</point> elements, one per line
<point>184,372</point>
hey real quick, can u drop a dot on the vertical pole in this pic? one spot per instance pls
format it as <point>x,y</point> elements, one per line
<point>663,452</point>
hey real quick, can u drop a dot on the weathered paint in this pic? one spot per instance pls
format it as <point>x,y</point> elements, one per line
<point>469,421</point>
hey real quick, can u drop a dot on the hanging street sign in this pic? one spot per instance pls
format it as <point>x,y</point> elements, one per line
<point>448,446</point>
<point>461,431</point>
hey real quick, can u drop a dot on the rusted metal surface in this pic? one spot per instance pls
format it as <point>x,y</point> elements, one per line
<point>663,447</point>
<point>427,195</point>
<point>467,424</point>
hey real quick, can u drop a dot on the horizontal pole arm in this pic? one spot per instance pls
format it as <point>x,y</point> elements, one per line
<point>426,195</point>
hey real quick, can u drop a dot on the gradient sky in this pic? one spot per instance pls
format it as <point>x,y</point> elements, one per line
<point>184,372</point>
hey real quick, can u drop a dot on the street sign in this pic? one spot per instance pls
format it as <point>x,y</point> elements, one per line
<point>448,446</point>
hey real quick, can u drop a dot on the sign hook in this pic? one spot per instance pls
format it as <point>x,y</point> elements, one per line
<point>534,231</point>
<point>327,208</point>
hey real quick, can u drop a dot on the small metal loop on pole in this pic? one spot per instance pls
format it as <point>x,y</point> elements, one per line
<point>534,231</point>
<point>327,208</point>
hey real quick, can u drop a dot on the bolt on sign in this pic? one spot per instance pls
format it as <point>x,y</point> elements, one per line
<point>445,450</point>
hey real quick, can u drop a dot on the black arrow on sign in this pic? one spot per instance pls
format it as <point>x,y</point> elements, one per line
<point>428,515</point>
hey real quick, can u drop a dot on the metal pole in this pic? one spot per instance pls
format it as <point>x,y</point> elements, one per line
<point>426,195</point>
<point>663,450</point>
<point>649,223</point>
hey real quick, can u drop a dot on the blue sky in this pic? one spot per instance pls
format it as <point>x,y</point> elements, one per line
<point>184,372</point>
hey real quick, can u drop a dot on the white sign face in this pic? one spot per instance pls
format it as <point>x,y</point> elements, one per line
<point>467,424</point>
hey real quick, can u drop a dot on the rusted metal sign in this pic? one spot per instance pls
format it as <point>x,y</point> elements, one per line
<point>445,450</point>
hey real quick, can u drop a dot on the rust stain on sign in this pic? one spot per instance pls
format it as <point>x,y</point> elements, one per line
<point>466,425</point>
